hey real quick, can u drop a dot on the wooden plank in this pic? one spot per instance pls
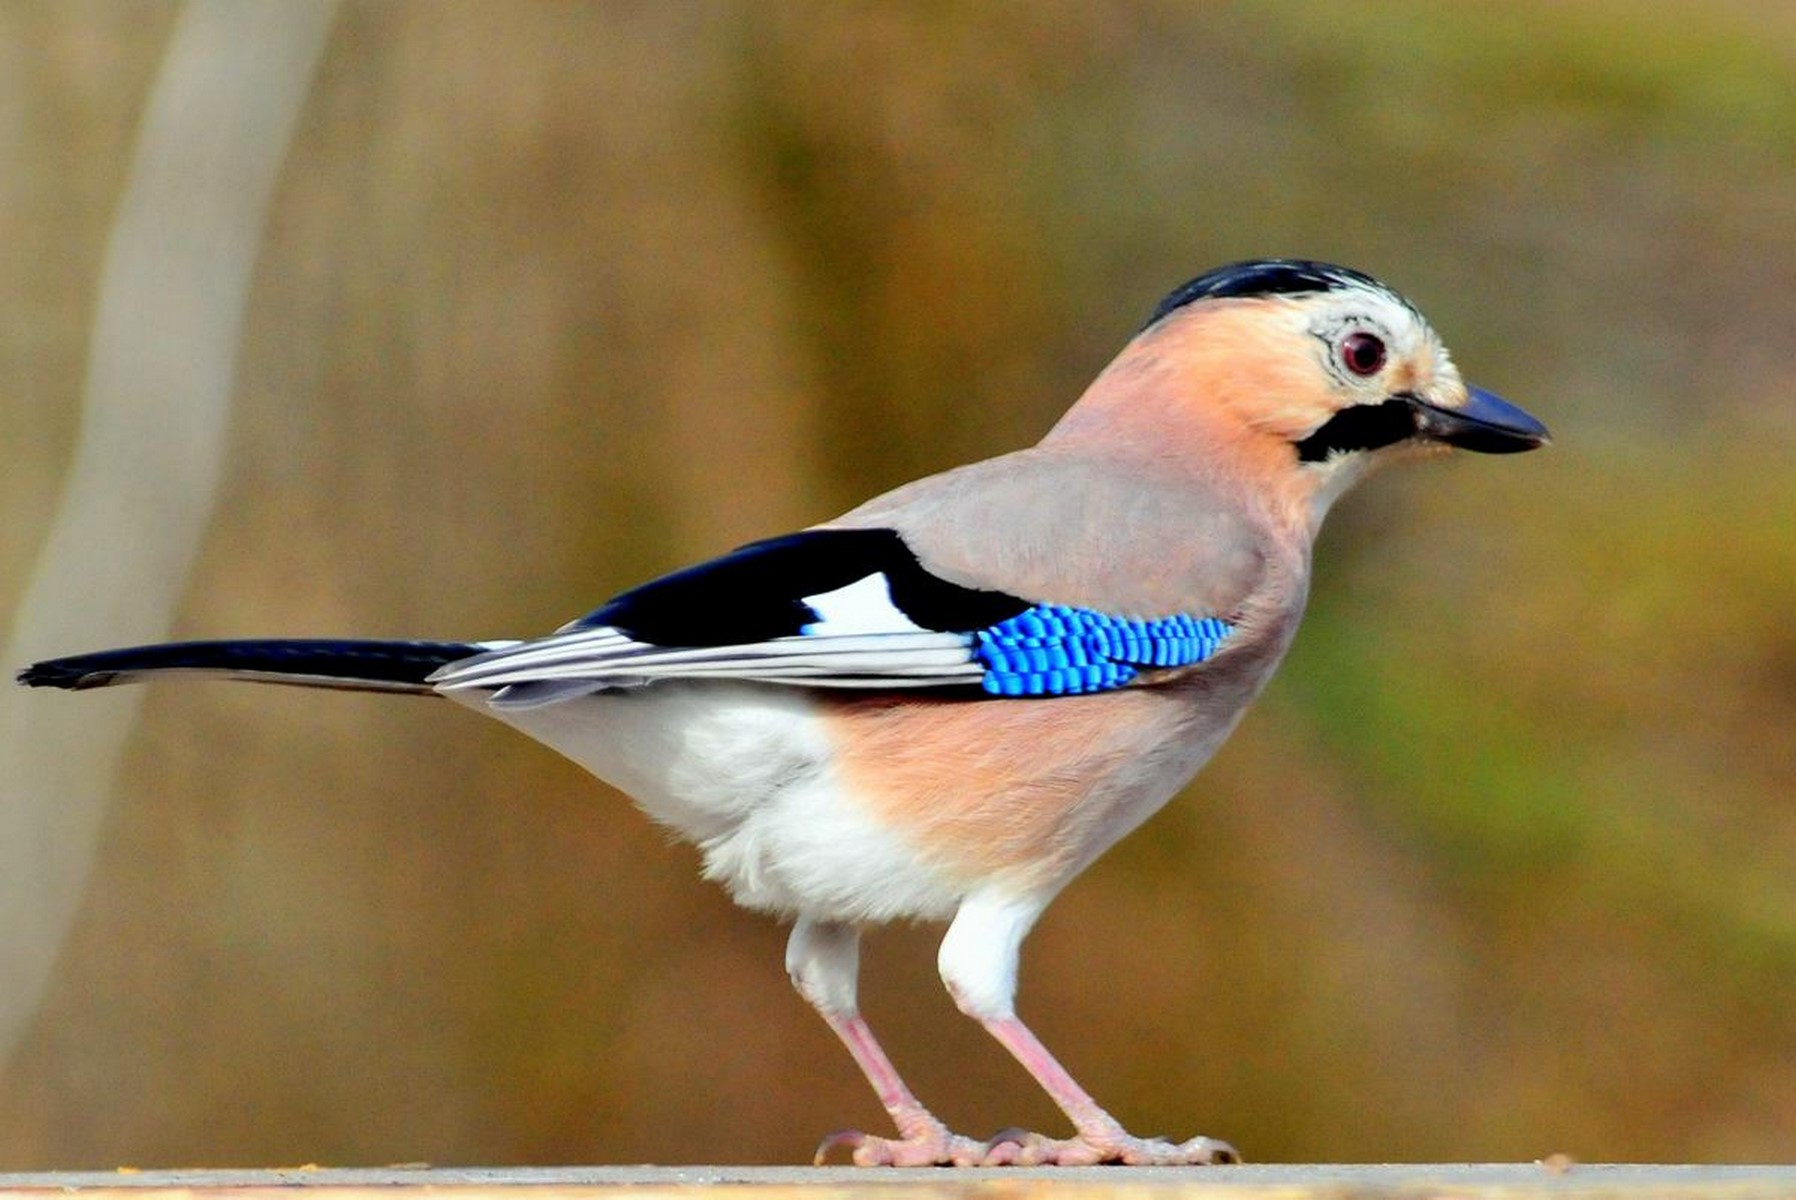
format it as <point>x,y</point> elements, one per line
<point>1318,1182</point>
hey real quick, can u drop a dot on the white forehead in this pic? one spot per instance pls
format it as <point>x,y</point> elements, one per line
<point>1359,306</point>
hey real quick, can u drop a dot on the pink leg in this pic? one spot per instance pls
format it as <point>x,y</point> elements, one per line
<point>923,1140</point>
<point>978,961</point>
<point>824,960</point>
<point>1100,1137</point>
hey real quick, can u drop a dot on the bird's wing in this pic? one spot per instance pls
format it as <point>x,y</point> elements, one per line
<point>839,608</point>
<point>1086,532</point>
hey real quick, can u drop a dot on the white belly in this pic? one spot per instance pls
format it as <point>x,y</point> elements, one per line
<point>744,772</point>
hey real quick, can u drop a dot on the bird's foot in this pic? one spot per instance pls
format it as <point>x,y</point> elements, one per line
<point>1026,1149</point>
<point>927,1145</point>
<point>935,1146</point>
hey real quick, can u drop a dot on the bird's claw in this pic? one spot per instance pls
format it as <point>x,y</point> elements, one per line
<point>1024,1149</point>
<point>932,1147</point>
<point>1021,1148</point>
<point>1128,1150</point>
<point>1006,1147</point>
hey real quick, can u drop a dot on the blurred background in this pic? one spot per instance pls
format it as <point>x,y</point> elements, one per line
<point>538,300</point>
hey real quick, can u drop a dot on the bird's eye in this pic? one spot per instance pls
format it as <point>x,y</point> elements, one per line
<point>1362,353</point>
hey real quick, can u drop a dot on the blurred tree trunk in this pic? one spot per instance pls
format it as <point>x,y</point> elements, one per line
<point>140,492</point>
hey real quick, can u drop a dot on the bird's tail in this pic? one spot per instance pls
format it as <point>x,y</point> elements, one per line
<point>362,666</point>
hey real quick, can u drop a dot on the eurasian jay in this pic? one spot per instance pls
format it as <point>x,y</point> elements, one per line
<point>947,702</point>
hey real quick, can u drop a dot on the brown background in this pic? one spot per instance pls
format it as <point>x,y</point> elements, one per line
<point>553,297</point>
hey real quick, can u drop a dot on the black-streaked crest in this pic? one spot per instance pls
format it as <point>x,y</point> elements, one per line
<point>1269,277</point>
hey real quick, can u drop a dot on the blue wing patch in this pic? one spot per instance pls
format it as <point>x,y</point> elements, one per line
<point>1055,650</point>
<point>1043,650</point>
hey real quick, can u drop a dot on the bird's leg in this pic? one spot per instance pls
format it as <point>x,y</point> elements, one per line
<point>823,959</point>
<point>978,963</point>
<point>1100,1138</point>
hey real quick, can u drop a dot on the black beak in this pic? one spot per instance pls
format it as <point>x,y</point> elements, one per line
<point>1485,423</point>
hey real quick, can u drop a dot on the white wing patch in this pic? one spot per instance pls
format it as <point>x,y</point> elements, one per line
<point>864,606</point>
<point>565,665</point>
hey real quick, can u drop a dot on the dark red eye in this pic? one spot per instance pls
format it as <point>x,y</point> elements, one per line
<point>1362,353</point>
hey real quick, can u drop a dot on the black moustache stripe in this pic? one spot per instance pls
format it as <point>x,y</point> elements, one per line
<point>1361,427</point>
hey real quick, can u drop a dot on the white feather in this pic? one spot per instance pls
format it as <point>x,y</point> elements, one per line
<point>747,774</point>
<point>864,606</point>
<point>606,659</point>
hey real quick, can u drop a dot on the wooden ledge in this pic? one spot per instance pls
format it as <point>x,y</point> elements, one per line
<point>1317,1182</point>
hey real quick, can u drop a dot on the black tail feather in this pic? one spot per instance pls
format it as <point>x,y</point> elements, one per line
<point>356,665</point>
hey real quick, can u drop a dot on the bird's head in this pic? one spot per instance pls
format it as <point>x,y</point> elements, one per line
<point>1310,373</point>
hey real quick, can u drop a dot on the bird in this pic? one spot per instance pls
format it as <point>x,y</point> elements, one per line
<point>947,702</point>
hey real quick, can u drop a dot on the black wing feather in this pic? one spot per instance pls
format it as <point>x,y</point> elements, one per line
<point>756,593</point>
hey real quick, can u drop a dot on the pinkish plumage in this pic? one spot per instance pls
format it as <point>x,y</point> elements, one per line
<point>805,710</point>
